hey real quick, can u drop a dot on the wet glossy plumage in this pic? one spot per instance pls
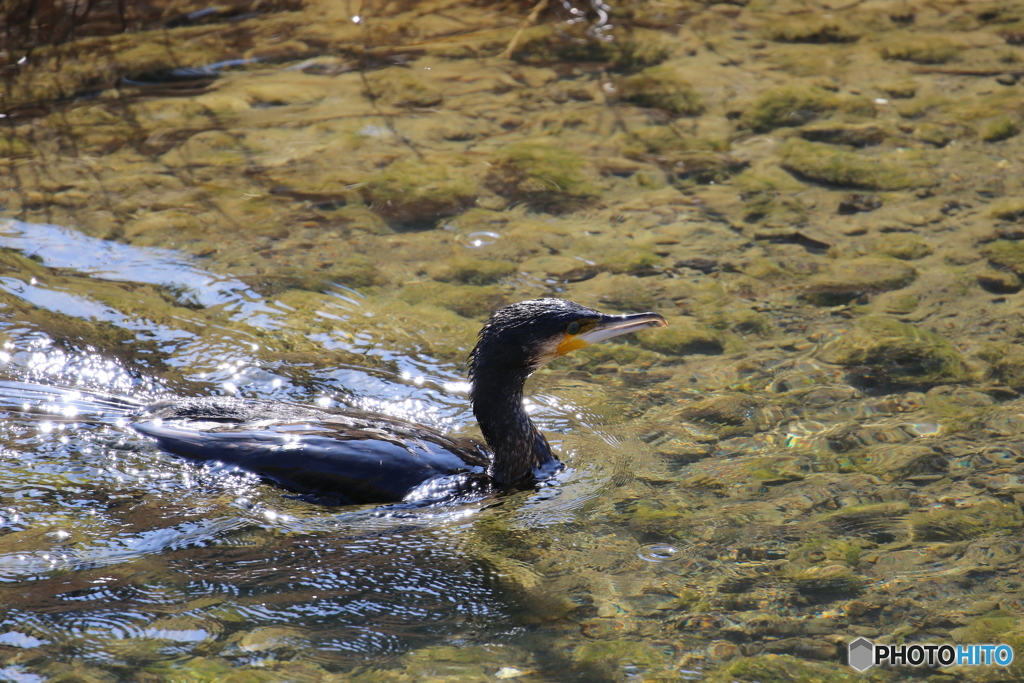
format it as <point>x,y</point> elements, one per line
<point>349,456</point>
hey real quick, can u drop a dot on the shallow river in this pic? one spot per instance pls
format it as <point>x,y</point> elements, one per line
<point>321,203</point>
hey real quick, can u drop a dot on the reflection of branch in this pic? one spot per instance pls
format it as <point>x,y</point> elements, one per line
<point>529,21</point>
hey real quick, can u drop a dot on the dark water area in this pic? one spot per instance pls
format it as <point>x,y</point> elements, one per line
<point>321,202</point>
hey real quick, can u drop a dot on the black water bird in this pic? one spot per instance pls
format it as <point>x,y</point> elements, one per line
<point>344,456</point>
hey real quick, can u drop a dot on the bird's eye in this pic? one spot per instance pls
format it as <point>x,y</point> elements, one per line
<point>574,328</point>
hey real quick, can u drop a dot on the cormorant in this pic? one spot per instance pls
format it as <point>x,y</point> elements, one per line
<point>348,456</point>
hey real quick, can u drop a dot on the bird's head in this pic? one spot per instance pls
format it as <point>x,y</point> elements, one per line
<point>522,337</point>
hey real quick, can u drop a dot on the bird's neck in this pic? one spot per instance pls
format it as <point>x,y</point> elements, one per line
<point>520,450</point>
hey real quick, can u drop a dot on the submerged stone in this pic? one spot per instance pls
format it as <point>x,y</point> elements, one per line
<point>414,192</point>
<point>771,668</point>
<point>542,174</point>
<point>854,135</point>
<point>922,50</point>
<point>824,164</point>
<point>999,129</point>
<point>471,271</point>
<point>850,279</point>
<point>467,300</point>
<point>786,106</point>
<point>682,337</point>
<point>1007,361</point>
<point>903,246</point>
<point>816,29</point>
<point>401,87</point>
<point>904,353</point>
<point>660,87</point>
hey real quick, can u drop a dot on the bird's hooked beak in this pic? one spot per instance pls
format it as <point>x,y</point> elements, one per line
<point>609,326</point>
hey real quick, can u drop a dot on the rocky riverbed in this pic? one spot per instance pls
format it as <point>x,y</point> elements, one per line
<point>825,199</point>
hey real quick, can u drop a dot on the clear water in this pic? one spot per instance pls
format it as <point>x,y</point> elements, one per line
<point>277,201</point>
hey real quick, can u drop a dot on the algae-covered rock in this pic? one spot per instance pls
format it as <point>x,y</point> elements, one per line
<point>402,87</point>
<point>824,164</point>
<point>542,174</point>
<point>903,352</point>
<point>1006,254</point>
<point>825,582</point>
<point>682,337</point>
<point>983,517</point>
<point>12,148</point>
<point>921,50</point>
<point>786,106</point>
<point>1008,210</point>
<point>771,668</point>
<point>660,87</point>
<point>415,191</point>
<point>627,50</point>
<point>611,659</point>
<point>467,300</point>
<point>933,134</point>
<point>1007,361</point>
<point>903,246</point>
<point>855,135</point>
<point>617,292</point>
<point>893,462</point>
<point>999,129</point>
<point>634,260</point>
<point>999,281</point>
<point>816,29</point>
<point>208,148</point>
<point>847,280</point>
<point>471,271</point>
<point>731,409</point>
<point>355,270</point>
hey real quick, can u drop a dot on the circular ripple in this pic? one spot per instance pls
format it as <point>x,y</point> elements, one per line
<point>481,238</point>
<point>659,552</point>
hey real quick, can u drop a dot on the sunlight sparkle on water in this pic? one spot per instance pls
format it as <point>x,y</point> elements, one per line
<point>457,387</point>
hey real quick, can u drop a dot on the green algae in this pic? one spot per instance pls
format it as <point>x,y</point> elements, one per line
<point>401,87</point>
<point>12,148</point>
<point>998,130</point>
<point>999,282</point>
<point>903,352</point>
<point>933,134</point>
<point>846,280</point>
<point>1007,361</point>
<point>1005,253</point>
<point>817,30</point>
<point>825,581</point>
<point>608,659</point>
<point>417,192</point>
<point>683,336</point>
<point>786,106</point>
<point>824,164</point>
<point>854,135</point>
<point>768,194</point>
<point>467,300</point>
<point>1008,210</point>
<point>729,413</point>
<point>634,260</point>
<point>543,175</point>
<point>921,50</point>
<point>903,246</point>
<point>629,50</point>
<point>471,271</point>
<point>955,524</point>
<point>660,87</point>
<point>354,270</point>
<point>771,668</point>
